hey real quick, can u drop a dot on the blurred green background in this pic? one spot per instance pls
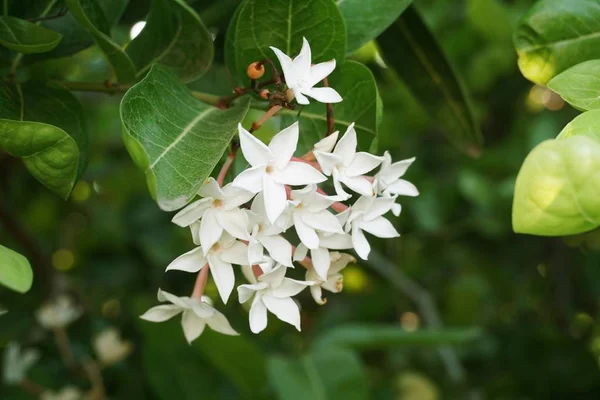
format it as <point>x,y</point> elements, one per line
<point>535,300</point>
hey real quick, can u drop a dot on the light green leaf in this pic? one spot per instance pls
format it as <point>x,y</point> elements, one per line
<point>15,271</point>
<point>45,127</point>
<point>120,61</point>
<point>587,124</point>
<point>26,37</point>
<point>176,37</point>
<point>557,188</point>
<point>329,374</point>
<point>381,336</point>
<point>175,138</point>
<point>368,19</point>
<point>491,20</point>
<point>413,52</point>
<point>555,35</point>
<point>259,24</point>
<point>362,105</point>
<point>579,85</point>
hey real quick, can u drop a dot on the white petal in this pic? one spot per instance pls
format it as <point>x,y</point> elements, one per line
<point>255,252</point>
<point>339,190</point>
<point>237,253</point>
<point>166,296</point>
<point>334,284</point>
<point>210,230</point>
<point>321,71</point>
<point>289,287</point>
<point>161,313</point>
<point>303,59</point>
<point>300,98</point>
<point>321,261</point>
<point>202,308</point>
<point>288,67</point>
<point>235,196</point>
<point>275,198</point>
<point>343,216</point>
<point>340,263</point>
<point>317,294</point>
<point>363,163</point>
<point>323,221</point>
<point>361,245</point>
<point>328,161</point>
<point>336,241</point>
<point>279,248</point>
<point>192,325</point>
<point>191,213</point>
<point>327,143</point>
<point>396,170</point>
<point>250,179</point>
<point>403,188</point>
<point>258,315</point>
<point>219,323</point>
<point>359,184</point>
<point>396,209</point>
<point>222,273</point>
<point>324,95</point>
<point>283,145</point>
<point>378,207</point>
<point>255,151</point>
<point>346,147</point>
<point>195,229</point>
<point>380,227</point>
<point>298,173</point>
<point>245,292</point>
<point>211,189</point>
<point>273,277</point>
<point>307,235</point>
<point>285,309</point>
<point>234,222</point>
<point>192,261</point>
<point>301,252</point>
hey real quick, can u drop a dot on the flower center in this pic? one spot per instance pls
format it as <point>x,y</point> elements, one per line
<point>217,203</point>
<point>216,247</point>
<point>269,169</point>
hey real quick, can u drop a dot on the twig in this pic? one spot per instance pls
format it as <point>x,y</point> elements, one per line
<point>64,347</point>
<point>330,119</point>
<point>274,72</point>
<point>92,371</point>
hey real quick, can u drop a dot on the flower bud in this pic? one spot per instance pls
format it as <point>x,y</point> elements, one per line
<point>264,94</point>
<point>256,70</point>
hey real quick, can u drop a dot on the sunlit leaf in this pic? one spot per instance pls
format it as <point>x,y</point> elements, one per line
<point>15,271</point>
<point>579,85</point>
<point>26,37</point>
<point>587,124</point>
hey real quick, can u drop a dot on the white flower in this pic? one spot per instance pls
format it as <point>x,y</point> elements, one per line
<point>197,313</point>
<point>347,166</point>
<point>58,313</point>
<point>17,362</point>
<point>388,182</point>
<point>301,76</point>
<point>218,211</point>
<point>66,393</point>
<point>272,291</point>
<point>219,257</point>
<point>320,257</point>
<point>110,348</point>
<point>366,215</point>
<point>272,169</point>
<point>266,236</point>
<point>334,281</point>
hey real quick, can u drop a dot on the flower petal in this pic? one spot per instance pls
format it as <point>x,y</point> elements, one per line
<point>195,229</point>
<point>324,95</point>
<point>211,189</point>
<point>255,151</point>
<point>359,184</point>
<point>191,261</point>
<point>346,147</point>
<point>258,315</point>
<point>336,241</point>
<point>191,213</point>
<point>235,196</point>
<point>328,161</point>
<point>307,235</point>
<point>339,190</point>
<point>403,188</point>
<point>340,262</point>
<point>289,287</point>
<point>245,292</point>
<point>255,252</point>
<point>317,294</point>
<point>297,173</point>
<point>303,60</point>
<point>237,253</point>
<point>361,245</point>
<point>363,163</point>
<point>378,207</point>
<point>219,323</point>
<point>234,222</point>
<point>301,252</point>
<point>323,221</point>
<point>321,261</point>
<point>321,71</point>
<point>396,209</point>
<point>334,284</point>
<point>250,179</point>
<point>222,273</point>
<point>178,301</point>
<point>380,227</point>
<point>273,277</point>
<point>161,313</point>
<point>283,145</point>
<point>279,248</point>
<point>285,309</point>
<point>300,97</point>
<point>193,326</point>
<point>210,230</point>
<point>396,170</point>
<point>288,67</point>
<point>275,198</point>
<point>326,144</point>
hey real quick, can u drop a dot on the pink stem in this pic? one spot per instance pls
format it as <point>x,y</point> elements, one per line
<point>306,262</point>
<point>313,164</point>
<point>200,282</point>
<point>225,168</point>
<point>257,270</point>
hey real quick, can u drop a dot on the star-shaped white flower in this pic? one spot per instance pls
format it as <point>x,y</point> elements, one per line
<point>217,211</point>
<point>272,169</point>
<point>58,313</point>
<point>197,313</point>
<point>320,257</point>
<point>301,76</point>
<point>366,215</point>
<point>110,348</point>
<point>388,183</point>
<point>266,236</point>
<point>346,165</point>
<point>220,257</point>
<point>272,291</point>
<point>17,362</point>
<point>334,280</point>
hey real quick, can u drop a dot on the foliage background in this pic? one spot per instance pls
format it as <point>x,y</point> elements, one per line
<point>534,299</point>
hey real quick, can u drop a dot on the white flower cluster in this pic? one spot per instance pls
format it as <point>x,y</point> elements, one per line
<point>247,222</point>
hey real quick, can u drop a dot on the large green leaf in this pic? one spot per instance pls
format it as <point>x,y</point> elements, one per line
<point>26,37</point>
<point>123,66</point>
<point>367,19</point>
<point>579,85</point>
<point>45,127</point>
<point>491,20</point>
<point>329,374</point>
<point>555,35</point>
<point>557,188</point>
<point>362,105</point>
<point>259,24</point>
<point>176,37</point>
<point>15,271</point>
<point>587,124</point>
<point>175,138</point>
<point>413,52</point>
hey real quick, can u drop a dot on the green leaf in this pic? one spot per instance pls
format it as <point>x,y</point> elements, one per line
<point>362,105</point>
<point>579,85</point>
<point>381,336</point>
<point>555,35</point>
<point>120,61</point>
<point>176,37</point>
<point>329,374</point>
<point>15,271</point>
<point>26,37</point>
<point>491,20</point>
<point>175,138</point>
<point>557,188</point>
<point>259,24</point>
<point>413,52</point>
<point>368,19</point>
<point>587,124</point>
<point>45,126</point>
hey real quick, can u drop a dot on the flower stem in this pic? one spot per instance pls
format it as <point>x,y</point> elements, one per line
<point>313,164</point>
<point>257,270</point>
<point>225,168</point>
<point>272,111</point>
<point>200,283</point>
<point>64,346</point>
<point>330,119</point>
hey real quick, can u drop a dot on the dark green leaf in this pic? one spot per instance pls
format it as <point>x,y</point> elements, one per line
<point>259,24</point>
<point>579,85</point>
<point>368,19</point>
<point>26,37</point>
<point>15,271</point>
<point>45,127</point>
<point>175,138</point>
<point>176,37</point>
<point>329,374</point>
<point>555,35</point>
<point>413,52</point>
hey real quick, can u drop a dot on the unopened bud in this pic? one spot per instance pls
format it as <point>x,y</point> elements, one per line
<point>264,94</point>
<point>256,70</point>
